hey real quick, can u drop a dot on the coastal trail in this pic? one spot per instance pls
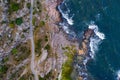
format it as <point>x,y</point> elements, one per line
<point>32,65</point>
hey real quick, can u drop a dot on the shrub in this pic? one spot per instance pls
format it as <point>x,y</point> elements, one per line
<point>46,38</point>
<point>42,23</point>
<point>33,21</point>
<point>3,69</point>
<point>14,51</point>
<point>19,21</point>
<point>47,47</point>
<point>14,6</point>
<point>28,5</point>
<point>38,46</point>
<point>12,24</point>
<point>5,59</point>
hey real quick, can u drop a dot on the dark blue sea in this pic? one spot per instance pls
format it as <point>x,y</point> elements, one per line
<point>104,17</point>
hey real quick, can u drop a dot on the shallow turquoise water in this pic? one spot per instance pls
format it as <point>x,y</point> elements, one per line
<point>106,15</point>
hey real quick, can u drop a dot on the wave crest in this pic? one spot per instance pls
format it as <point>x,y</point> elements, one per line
<point>95,41</point>
<point>118,75</point>
<point>65,15</point>
<point>96,30</point>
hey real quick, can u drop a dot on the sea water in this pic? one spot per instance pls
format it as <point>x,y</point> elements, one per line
<point>104,17</point>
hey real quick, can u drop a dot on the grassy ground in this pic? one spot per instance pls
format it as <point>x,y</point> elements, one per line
<point>67,67</point>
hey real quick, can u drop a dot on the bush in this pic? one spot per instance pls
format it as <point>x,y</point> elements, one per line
<point>28,5</point>
<point>22,78</point>
<point>12,24</point>
<point>42,23</point>
<point>14,51</point>
<point>3,69</point>
<point>38,46</point>
<point>34,11</point>
<point>46,38</point>
<point>19,21</point>
<point>14,6</point>
<point>47,47</point>
<point>33,21</point>
<point>5,59</point>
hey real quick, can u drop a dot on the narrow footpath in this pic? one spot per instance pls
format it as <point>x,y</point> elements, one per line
<point>32,65</point>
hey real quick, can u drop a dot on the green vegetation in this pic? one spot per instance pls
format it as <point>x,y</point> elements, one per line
<point>33,21</point>
<point>42,23</point>
<point>47,47</point>
<point>14,7</point>
<point>5,59</point>
<point>22,78</point>
<point>67,67</point>
<point>25,30</point>
<point>3,69</point>
<point>16,74</point>
<point>34,11</point>
<point>24,52</point>
<point>27,76</point>
<point>3,22</point>
<point>22,36</point>
<point>39,6</point>
<point>12,24</point>
<point>21,52</point>
<point>28,5</point>
<point>46,38</point>
<point>38,46</point>
<point>47,17</point>
<point>19,21</point>
<point>14,51</point>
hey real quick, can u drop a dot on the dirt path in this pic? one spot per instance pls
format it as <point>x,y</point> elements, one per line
<point>32,66</point>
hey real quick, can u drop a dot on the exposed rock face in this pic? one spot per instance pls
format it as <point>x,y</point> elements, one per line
<point>83,51</point>
<point>51,6</point>
<point>85,42</point>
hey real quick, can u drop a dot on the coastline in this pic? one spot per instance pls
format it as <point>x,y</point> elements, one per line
<point>59,37</point>
<point>83,49</point>
<point>58,53</point>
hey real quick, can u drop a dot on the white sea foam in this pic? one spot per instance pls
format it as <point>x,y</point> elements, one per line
<point>65,28</point>
<point>66,16</point>
<point>96,30</point>
<point>118,75</point>
<point>85,61</point>
<point>69,19</point>
<point>95,41</point>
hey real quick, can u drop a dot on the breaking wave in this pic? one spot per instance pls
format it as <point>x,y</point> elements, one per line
<point>65,15</point>
<point>96,30</point>
<point>118,75</point>
<point>95,41</point>
<point>67,19</point>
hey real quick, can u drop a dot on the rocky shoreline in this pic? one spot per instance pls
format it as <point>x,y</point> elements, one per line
<point>59,37</point>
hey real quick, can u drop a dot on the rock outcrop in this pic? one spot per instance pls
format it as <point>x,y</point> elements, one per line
<point>83,48</point>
